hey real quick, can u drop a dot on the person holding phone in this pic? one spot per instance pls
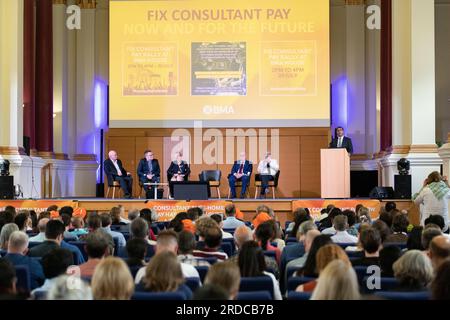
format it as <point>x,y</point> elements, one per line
<point>267,169</point>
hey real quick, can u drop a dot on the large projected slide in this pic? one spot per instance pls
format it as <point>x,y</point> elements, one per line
<point>247,63</point>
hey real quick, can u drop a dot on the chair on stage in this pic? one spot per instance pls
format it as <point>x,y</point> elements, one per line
<point>112,185</point>
<point>238,184</point>
<point>213,177</point>
<point>272,184</point>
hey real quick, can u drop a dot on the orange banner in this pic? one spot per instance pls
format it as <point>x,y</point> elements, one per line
<point>36,205</point>
<point>315,206</point>
<point>167,210</point>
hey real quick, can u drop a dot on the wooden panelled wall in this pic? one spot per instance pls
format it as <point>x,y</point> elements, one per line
<point>299,153</point>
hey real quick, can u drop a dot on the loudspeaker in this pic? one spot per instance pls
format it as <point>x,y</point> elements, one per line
<point>6,187</point>
<point>362,182</point>
<point>191,190</point>
<point>26,145</point>
<point>382,193</point>
<point>402,185</point>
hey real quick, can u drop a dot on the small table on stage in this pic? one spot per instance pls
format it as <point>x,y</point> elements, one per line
<point>156,185</point>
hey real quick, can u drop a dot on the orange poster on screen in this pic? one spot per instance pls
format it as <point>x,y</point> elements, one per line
<point>316,205</point>
<point>167,210</point>
<point>36,205</point>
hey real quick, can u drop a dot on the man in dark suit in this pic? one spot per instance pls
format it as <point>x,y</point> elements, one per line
<point>341,141</point>
<point>241,171</point>
<point>148,171</point>
<point>114,169</point>
<point>54,235</point>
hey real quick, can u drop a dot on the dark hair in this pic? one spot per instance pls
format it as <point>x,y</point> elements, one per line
<point>390,205</point>
<point>213,237</point>
<point>386,217</point>
<point>66,219</point>
<point>139,228</point>
<point>176,223</point>
<point>147,151</point>
<point>428,235</point>
<point>440,287</point>
<point>7,216</point>
<point>56,262</point>
<point>217,218</point>
<point>264,233</point>
<point>194,213</point>
<point>437,220</point>
<point>230,210</point>
<point>400,223</point>
<point>136,249</point>
<point>94,221</point>
<point>309,269</point>
<point>97,243</point>
<point>388,255</point>
<point>415,239</point>
<point>210,292</point>
<point>66,210</point>
<point>34,219</point>
<point>186,242</point>
<point>382,228</point>
<point>12,210</point>
<point>7,276</point>
<point>21,219</point>
<point>370,240</point>
<point>146,214</point>
<point>351,217</point>
<point>106,219</point>
<point>300,216</point>
<point>53,207</point>
<point>54,229</point>
<point>251,260</point>
<point>334,213</point>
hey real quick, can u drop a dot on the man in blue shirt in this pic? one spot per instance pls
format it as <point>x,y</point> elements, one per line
<point>231,222</point>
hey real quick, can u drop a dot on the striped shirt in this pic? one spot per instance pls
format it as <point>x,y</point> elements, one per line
<point>210,253</point>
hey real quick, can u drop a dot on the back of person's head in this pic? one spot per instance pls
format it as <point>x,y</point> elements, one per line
<point>400,223</point>
<point>106,219</point>
<point>133,214</point>
<point>21,219</point>
<point>328,253</point>
<point>226,275</point>
<point>382,228</point>
<point>351,217</point>
<point>334,213</point>
<point>386,217</point>
<point>390,205</point>
<point>428,235</point>
<point>439,250</point>
<point>7,277</point>
<point>94,222</point>
<point>264,234</point>
<point>203,224</point>
<point>56,262</point>
<point>146,214</point>
<point>167,241</point>
<point>330,207</point>
<point>11,210</point>
<point>65,218</point>
<point>53,207</point>
<point>6,232</point>
<point>194,213</point>
<point>139,228</point>
<point>230,210</point>
<point>97,244</point>
<point>78,290</point>
<point>262,208</point>
<point>242,234</point>
<point>217,218</point>
<point>54,229</point>
<point>440,287</point>
<point>388,256</point>
<point>301,215</point>
<point>304,228</point>
<point>210,292</point>
<point>370,240</point>
<point>340,223</point>
<point>309,268</point>
<point>136,249</point>
<point>309,238</point>
<point>338,281</point>
<point>251,260</point>
<point>77,222</point>
<point>415,239</point>
<point>186,242</point>
<point>7,216</point>
<point>213,237</point>
<point>413,269</point>
<point>18,242</point>
<point>112,280</point>
<point>437,220</point>
<point>66,210</point>
<point>163,273</point>
<point>434,177</point>
<point>363,215</point>
<point>42,224</point>
<point>115,215</point>
<point>44,214</point>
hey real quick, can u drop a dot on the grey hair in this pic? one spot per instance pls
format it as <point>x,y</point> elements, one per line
<point>7,230</point>
<point>413,265</point>
<point>305,227</point>
<point>69,287</point>
<point>18,240</point>
<point>133,214</point>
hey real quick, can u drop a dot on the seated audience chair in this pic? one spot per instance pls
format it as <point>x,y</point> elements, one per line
<point>254,296</point>
<point>263,283</point>
<point>158,296</point>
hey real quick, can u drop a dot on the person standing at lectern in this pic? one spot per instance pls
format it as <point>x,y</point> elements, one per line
<point>148,171</point>
<point>267,169</point>
<point>341,141</point>
<point>113,167</point>
<point>241,171</point>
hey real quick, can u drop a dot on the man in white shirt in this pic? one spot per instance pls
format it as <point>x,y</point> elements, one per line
<point>340,223</point>
<point>41,227</point>
<point>267,169</point>
<point>168,241</point>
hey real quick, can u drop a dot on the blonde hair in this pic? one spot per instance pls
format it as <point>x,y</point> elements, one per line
<point>329,253</point>
<point>112,280</point>
<point>337,281</point>
<point>226,275</point>
<point>163,273</point>
<point>413,268</point>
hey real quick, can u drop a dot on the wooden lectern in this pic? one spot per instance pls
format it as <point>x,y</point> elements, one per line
<point>335,173</point>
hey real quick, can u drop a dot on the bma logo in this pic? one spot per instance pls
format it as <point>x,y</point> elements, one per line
<point>73,22</point>
<point>216,109</point>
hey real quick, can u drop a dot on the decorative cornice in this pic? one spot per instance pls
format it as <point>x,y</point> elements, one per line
<point>86,4</point>
<point>423,148</point>
<point>12,151</point>
<point>404,149</point>
<point>61,156</point>
<point>84,157</point>
<point>362,157</point>
<point>46,155</point>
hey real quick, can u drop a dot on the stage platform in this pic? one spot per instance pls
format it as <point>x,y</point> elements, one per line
<point>167,209</point>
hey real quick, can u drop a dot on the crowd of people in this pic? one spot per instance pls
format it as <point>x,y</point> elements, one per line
<point>72,254</point>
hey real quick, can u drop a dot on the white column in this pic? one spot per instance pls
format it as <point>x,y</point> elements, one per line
<point>444,153</point>
<point>60,79</point>
<point>71,90</point>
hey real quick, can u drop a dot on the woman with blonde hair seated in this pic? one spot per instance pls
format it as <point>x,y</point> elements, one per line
<point>112,280</point>
<point>338,281</point>
<point>226,275</point>
<point>163,274</point>
<point>325,255</point>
